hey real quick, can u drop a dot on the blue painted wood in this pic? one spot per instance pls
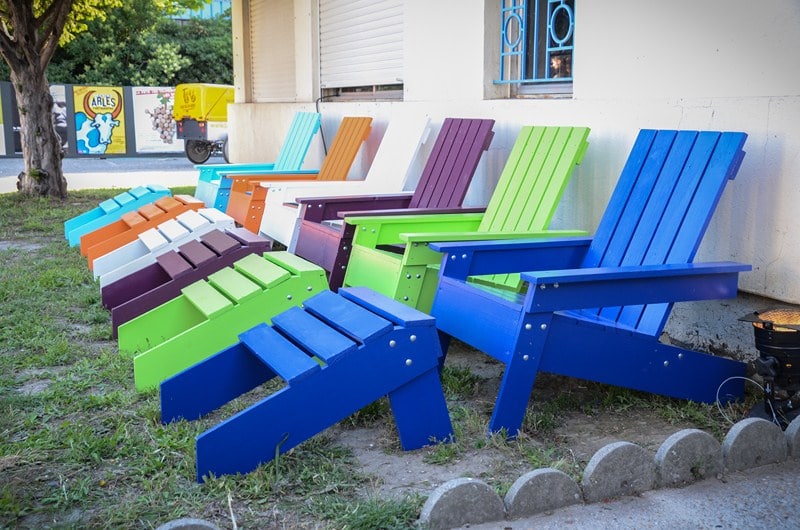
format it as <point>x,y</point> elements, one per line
<point>637,265</point>
<point>313,399</point>
<point>317,338</point>
<point>387,308</point>
<point>211,383</point>
<point>475,258</point>
<point>280,355</point>
<point>347,317</point>
<point>111,210</point>
<point>640,363</point>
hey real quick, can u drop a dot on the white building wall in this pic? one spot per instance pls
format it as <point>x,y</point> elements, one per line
<point>693,64</point>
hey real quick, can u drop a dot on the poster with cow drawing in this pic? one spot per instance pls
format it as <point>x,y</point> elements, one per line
<point>99,120</point>
<point>154,126</point>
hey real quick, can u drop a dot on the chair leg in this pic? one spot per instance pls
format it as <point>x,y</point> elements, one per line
<point>520,375</point>
<point>422,393</point>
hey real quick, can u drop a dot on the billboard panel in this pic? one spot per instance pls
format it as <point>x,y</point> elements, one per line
<point>99,120</point>
<point>152,119</point>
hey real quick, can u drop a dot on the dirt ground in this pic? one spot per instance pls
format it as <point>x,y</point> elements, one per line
<point>577,436</point>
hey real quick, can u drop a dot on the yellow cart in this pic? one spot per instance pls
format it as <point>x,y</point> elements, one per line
<point>201,116</point>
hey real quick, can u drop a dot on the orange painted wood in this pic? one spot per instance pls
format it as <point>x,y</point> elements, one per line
<point>246,202</point>
<point>114,235</point>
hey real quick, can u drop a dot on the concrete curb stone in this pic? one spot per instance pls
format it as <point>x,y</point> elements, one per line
<point>687,456</point>
<point>462,501</point>
<point>754,442</point>
<point>793,438</point>
<point>540,491</point>
<point>616,470</point>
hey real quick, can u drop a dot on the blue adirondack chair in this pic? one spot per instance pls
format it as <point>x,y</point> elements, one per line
<point>214,189</point>
<point>337,354</point>
<point>595,308</point>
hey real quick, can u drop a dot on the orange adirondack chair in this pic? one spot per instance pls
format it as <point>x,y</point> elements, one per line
<point>246,202</point>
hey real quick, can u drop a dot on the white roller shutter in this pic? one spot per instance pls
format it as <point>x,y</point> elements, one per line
<point>361,42</point>
<point>272,64</point>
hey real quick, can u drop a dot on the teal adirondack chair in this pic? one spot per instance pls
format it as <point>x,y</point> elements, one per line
<point>214,189</point>
<point>595,308</point>
<point>391,254</point>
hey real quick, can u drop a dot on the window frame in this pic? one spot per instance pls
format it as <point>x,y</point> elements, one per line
<point>523,27</point>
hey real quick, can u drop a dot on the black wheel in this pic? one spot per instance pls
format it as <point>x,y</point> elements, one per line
<point>225,151</point>
<point>198,151</point>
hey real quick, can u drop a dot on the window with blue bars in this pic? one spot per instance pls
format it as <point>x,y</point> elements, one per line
<point>537,42</point>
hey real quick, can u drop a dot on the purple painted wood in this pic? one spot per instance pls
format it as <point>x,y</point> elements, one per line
<point>443,184</point>
<point>162,281</point>
<point>195,253</point>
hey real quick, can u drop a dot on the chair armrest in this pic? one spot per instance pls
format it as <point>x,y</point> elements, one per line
<point>293,189</point>
<point>555,290</point>
<point>413,211</point>
<point>371,231</point>
<point>211,172</point>
<point>465,259</point>
<point>247,182</point>
<point>412,220</point>
<point>343,198</point>
<point>430,237</point>
<point>265,172</point>
<point>319,209</point>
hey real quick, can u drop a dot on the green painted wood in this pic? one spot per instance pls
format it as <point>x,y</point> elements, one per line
<point>262,271</point>
<point>233,284</point>
<point>206,299</point>
<point>527,194</point>
<point>209,314</point>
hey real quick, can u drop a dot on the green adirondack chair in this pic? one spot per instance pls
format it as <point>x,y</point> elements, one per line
<point>391,254</point>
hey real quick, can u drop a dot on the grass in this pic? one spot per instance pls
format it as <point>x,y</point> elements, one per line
<point>80,448</point>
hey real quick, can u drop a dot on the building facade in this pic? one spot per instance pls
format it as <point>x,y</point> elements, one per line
<point>616,66</point>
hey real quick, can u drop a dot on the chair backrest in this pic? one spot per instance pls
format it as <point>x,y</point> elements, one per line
<point>298,139</point>
<point>661,207</point>
<point>395,159</point>
<point>352,132</point>
<point>530,187</point>
<point>534,178</point>
<point>451,165</point>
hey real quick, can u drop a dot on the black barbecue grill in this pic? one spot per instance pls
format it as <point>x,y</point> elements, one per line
<point>777,337</point>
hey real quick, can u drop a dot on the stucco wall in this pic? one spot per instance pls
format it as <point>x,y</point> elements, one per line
<point>714,64</point>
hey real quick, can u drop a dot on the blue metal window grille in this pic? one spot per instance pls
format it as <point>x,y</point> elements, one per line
<point>536,41</point>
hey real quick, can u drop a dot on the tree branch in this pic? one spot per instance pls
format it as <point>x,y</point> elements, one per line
<point>52,25</point>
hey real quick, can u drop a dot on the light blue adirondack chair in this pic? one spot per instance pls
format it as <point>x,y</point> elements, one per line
<point>214,189</point>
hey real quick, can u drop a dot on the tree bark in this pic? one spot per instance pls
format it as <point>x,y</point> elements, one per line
<point>27,44</point>
<point>41,145</point>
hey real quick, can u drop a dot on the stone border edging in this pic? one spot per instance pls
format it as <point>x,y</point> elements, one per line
<point>616,470</point>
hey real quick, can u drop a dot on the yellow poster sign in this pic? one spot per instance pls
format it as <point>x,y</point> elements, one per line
<point>99,120</point>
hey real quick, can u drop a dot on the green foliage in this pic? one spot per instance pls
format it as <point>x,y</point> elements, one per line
<point>138,45</point>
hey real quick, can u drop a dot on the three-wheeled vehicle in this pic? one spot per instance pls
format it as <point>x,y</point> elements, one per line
<point>201,117</point>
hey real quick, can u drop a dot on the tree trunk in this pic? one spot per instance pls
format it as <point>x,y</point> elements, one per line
<point>41,146</point>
